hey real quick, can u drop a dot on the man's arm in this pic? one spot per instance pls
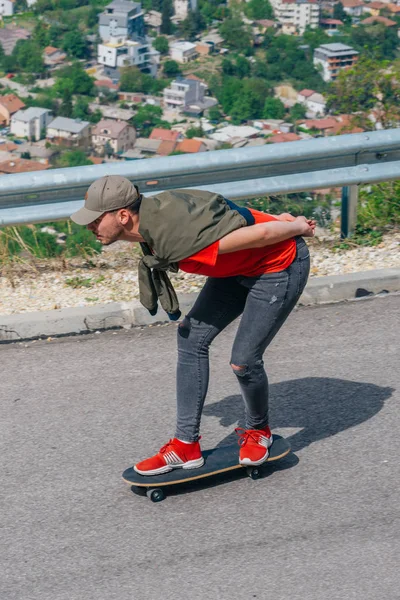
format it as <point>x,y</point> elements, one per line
<point>265,234</point>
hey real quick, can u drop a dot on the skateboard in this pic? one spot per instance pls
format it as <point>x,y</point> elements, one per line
<point>216,461</point>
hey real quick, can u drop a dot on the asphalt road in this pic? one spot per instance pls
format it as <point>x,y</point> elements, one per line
<point>76,412</point>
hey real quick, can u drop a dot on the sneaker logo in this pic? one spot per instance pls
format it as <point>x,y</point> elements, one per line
<point>171,458</point>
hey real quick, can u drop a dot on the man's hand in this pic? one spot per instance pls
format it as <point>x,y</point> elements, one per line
<point>286,217</point>
<point>306,226</point>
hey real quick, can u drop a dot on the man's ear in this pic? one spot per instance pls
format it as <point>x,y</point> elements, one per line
<point>123,216</point>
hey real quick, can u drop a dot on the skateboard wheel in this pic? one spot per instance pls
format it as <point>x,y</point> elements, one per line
<point>254,473</point>
<point>155,495</point>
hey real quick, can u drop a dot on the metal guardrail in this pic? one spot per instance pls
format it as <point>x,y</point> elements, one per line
<point>346,160</point>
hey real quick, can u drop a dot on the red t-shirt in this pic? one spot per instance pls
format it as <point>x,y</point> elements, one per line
<point>250,263</point>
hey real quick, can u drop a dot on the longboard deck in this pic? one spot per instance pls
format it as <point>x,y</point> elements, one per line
<point>216,460</point>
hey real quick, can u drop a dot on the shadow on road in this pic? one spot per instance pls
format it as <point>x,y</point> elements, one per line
<point>321,406</point>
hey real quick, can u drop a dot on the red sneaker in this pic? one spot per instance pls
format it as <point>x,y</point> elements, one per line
<point>254,444</point>
<point>174,455</point>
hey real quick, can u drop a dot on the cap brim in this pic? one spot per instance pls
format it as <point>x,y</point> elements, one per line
<point>85,216</point>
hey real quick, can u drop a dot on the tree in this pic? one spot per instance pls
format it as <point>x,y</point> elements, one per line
<point>81,109</point>
<point>78,80</point>
<point>368,85</point>
<point>75,44</point>
<point>236,35</point>
<point>166,23</point>
<point>214,114</point>
<point>340,13</point>
<point>20,5</point>
<point>161,44</point>
<point>66,104</point>
<point>274,109</point>
<point>375,41</point>
<point>297,112</point>
<point>75,158</point>
<point>259,9</point>
<point>148,117</point>
<point>171,68</point>
<point>194,132</point>
<point>28,57</point>
<point>192,25</point>
<point>108,149</point>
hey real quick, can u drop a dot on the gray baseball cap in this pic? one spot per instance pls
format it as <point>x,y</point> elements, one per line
<point>108,193</point>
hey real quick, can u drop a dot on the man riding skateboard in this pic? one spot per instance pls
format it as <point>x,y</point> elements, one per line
<point>257,267</point>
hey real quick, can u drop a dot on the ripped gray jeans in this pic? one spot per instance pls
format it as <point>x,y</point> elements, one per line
<point>264,302</point>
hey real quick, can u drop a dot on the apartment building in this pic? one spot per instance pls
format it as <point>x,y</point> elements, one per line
<point>183,92</point>
<point>124,42</point>
<point>122,19</point>
<point>296,15</point>
<point>333,58</point>
<point>182,8</point>
<point>115,54</point>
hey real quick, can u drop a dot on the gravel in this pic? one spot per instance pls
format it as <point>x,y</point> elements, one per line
<point>112,275</point>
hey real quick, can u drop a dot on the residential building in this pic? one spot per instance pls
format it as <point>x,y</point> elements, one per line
<point>6,8</point>
<point>165,135</point>
<point>9,37</point>
<point>112,111</point>
<point>313,101</point>
<point>122,19</point>
<point>297,14</point>
<point>116,134</point>
<point>166,148</point>
<point>37,151</point>
<point>116,54</point>
<point>283,137</point>
<point>9,105</point>
<point>122,29</point>
<point>21,165</point>
<point>153,19</point>
<point>147,146</point>
<point>383,20</point>
<point>333,58</point>
<point>374,8</point>
<point>182,8</point>
<point>31,123</point>
<point>182,52</point>
<point>354,8</point>
<point>53,56</point>
<point>69,132</point>
<point>233,132</point>
<point>183,92</point>
<point>191,146</point>
<point>331,25</point>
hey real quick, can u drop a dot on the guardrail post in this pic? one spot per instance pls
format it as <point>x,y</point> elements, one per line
<point>349,210</point>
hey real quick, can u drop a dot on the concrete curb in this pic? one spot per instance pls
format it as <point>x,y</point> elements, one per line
<point>87,319</point>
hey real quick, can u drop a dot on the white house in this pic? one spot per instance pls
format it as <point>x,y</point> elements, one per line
<point>115,54</point>
<point>182,52</point>
<point>71,132</point>
<point>6,8</point>
<point>124,40</point>
<point>30,123</point>
<point>296,15</point>
<point>183,92</point>
<point>182,8</point>
<point>313,101</point>
<point>122,19</point>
